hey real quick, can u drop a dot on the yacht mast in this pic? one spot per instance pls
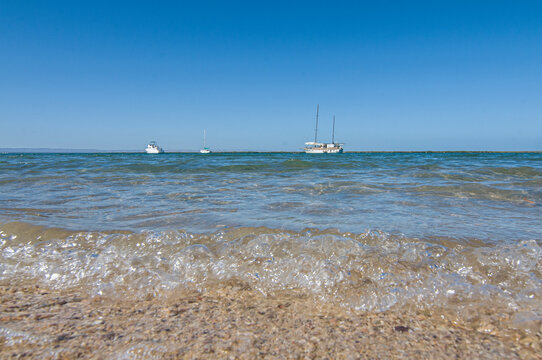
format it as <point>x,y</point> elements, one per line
<point>316,130</point>
<point>333,136</point>
<point>204,138</point>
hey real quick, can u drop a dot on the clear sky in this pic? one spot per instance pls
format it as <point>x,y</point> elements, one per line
<point>398,75</point>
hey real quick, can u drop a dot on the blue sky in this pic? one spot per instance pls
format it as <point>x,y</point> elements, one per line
<point>398,75</point>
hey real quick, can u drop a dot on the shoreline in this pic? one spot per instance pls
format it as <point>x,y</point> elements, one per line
<point>232,322</point>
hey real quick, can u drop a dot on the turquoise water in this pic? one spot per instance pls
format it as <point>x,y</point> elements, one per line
<point>368,231</point>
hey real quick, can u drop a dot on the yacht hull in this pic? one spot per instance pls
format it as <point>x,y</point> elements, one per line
<point>323,151</point>
<point>153,151</point>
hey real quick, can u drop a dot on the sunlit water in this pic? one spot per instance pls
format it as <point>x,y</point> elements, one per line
<point>369,231</point>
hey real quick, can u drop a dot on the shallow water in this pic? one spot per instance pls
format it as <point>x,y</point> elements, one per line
<point>493,197</point>
<point>368,231</point>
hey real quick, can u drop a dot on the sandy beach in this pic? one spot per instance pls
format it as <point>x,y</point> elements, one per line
<point>232,322</point>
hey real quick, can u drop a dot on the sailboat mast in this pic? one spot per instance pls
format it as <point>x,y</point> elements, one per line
<point>316,130</point>
<point>333,135</point>
<point>204,138</point>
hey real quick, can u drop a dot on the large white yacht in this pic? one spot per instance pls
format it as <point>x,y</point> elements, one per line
<point>323,148</point>
<point>153,148</point>
<point>315,147</point>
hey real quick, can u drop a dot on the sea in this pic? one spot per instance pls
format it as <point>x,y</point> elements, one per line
<point>458,231</point>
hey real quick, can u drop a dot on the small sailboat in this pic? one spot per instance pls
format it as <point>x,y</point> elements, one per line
<point>205,149</point>
<point>315,147</point>
<point>153,148</point>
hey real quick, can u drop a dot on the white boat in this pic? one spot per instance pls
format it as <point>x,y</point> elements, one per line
<point>205,149</point>
<point>153,148</point>
<point>315,147</point>
<point>323,148</point>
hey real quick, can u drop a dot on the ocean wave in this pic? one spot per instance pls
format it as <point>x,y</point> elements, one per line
<point>479,191</point>
<point>372,271</point>
<point>511,171</point>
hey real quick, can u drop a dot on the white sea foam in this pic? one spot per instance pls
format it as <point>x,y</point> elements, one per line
<point>372,271</point>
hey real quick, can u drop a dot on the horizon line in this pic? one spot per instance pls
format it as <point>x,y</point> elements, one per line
<point>96,151</point>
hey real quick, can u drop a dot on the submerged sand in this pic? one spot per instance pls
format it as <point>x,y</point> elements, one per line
<point>233,323</point>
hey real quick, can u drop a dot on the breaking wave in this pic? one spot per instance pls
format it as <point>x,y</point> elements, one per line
<point>372,271</point>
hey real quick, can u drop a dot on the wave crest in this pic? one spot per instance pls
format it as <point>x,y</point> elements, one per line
<point>372,271</point>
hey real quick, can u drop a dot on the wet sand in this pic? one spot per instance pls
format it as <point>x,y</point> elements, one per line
<point>233,322</point>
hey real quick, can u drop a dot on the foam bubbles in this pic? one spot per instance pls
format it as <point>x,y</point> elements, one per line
<point>372,271</point>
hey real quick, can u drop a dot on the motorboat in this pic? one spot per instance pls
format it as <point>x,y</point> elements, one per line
<point>153,148</point>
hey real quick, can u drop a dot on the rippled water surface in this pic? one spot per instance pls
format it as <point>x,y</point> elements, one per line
<point>458,195</point>
<point>369,231</point>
